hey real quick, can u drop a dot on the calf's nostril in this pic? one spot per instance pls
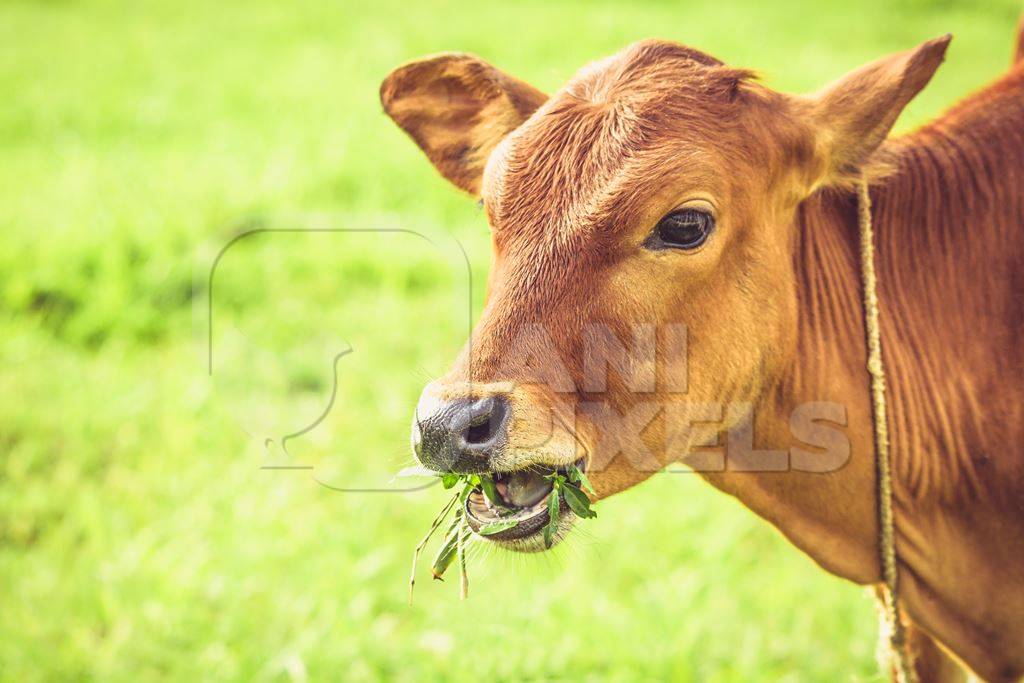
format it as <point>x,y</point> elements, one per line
<point>487,420</point>
<point>479,433</point>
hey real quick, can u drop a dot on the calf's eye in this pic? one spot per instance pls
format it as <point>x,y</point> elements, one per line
<point>681,229</point>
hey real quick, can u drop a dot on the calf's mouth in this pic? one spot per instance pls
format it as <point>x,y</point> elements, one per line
<point>523,497</point>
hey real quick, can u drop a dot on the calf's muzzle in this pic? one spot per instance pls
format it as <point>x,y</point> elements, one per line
<point>460,435</point>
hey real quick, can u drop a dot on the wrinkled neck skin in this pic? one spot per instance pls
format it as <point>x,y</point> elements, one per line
<point>949,224</point>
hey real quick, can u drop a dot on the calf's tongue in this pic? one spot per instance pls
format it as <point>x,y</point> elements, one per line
<point>525,488</point>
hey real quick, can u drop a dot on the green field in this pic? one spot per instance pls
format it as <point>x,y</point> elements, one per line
<point>139,537</point>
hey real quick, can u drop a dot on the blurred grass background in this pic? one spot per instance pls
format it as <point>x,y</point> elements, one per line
<point>139,538</point>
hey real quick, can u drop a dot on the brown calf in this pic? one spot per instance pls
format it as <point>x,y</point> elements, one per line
<point>667,218</point>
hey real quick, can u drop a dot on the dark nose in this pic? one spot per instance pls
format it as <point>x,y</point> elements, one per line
<point>462,435</point>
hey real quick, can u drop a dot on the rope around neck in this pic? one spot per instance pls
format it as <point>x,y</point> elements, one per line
<point>889,595</point>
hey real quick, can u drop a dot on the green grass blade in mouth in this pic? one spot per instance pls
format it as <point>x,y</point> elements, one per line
<point>578,501</point>
<point>496,527</point>
<point>463,576</point>
<point>580,478</point>
<point>447,552</point>
<point>487,484</point>
<point>552,526</point>
<point>433,527</point>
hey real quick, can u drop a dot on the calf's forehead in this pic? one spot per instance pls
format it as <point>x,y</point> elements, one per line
<point>617,131</point>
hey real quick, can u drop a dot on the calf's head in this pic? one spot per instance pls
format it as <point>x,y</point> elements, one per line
<point>642,273</point>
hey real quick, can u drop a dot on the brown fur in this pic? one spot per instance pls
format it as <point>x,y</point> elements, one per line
<point>572,186</point>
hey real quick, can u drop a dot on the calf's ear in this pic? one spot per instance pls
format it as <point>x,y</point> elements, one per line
<point>457,108</point>
<point>853,115</point>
